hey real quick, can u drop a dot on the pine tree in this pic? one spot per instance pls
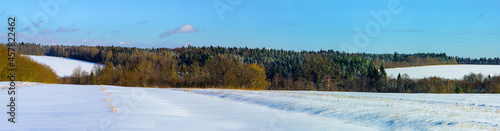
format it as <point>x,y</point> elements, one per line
<point>383,74</point>
<point>458,89</point>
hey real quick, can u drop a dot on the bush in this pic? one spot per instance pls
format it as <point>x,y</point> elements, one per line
<point>27,69</point>
<point>458,89</point>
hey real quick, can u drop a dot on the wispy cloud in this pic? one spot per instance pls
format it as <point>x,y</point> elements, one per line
<point>481,15</point>
<point>37,38</point>
<point>99,42</point>
<point>402,30</point>
<point>288,23</point>
<point>114,31</point>
<point>464,33</point>
<point>46,39</point>
<point>141,22</point>
<point>125,43</point>
<point>26,29</point>
<point>37,24</point>
<point>492,34</point>
<point>45,31</point>
<point>90,32</point>
<point>183,29</point>
<point>187,44</point>
<point>455,41</point>
<point>67,29</point>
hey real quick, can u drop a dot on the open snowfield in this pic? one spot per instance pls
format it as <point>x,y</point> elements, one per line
<point>63,66</point>
<point>445,71</point>
<point>380,111</point>
<point>80,107</point>
<point>93,107</point>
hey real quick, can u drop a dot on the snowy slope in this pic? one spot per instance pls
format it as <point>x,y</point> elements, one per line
<point>381,111</point>
<point>63,66</point>
<point>445,71</point>
<point>92,107</point>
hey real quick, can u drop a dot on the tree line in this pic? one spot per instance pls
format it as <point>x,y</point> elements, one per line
<point>255,68</point>
<point>422,59</point>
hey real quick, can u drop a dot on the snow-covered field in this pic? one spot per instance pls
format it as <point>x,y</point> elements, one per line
<point>93,107</point>
<point>380,111</point>
<point>445,71</point>
<point>63,66</point>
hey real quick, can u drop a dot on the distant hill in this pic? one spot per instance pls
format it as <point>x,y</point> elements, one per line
<point>64,67</point>
<point>445,71</point>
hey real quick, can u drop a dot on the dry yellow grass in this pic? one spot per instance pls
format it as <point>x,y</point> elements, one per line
<point>107,100</point>
<point>114,108</point>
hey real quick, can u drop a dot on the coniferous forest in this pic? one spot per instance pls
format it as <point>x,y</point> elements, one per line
<point>260,68</point>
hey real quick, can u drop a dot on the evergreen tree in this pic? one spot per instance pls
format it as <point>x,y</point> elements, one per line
<point>382,71</point>
<point>458,89</point>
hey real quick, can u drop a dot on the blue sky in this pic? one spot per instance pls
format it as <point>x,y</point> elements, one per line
<point>457,27</point>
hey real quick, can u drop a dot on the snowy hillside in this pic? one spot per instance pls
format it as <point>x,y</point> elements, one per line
<point>445,71</point>
<point>93,107</point>
<point>380,111</point>
<point>63,66</point>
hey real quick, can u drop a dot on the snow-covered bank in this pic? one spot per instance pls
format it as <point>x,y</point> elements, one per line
<point>445,71</point>
<point>93,107</point>
<point>54,107</point>
<point>382,111</point>
<point>63,66</point>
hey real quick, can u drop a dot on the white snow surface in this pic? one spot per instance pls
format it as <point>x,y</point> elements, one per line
<point>445,71</point>
<point>63,66</point>
<point>90,107</point>
<point>380,111</point>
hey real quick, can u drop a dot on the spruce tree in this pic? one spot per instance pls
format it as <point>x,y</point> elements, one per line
<point>383,74</point>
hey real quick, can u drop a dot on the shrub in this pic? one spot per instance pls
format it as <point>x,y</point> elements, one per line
<point>458,89</point>
<point>27,69</point>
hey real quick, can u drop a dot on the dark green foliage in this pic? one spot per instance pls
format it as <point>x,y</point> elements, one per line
<point>458,89</point>
<point>382,71</point>
<point>407,60</point>
<point>483,61</point>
